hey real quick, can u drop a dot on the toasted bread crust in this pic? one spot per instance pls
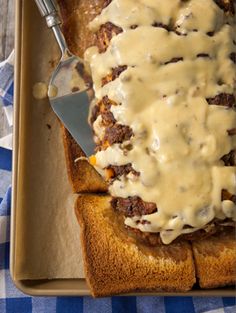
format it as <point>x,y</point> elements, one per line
<point>215,260</point>
<point>82,175</point>
<point>115,264</point>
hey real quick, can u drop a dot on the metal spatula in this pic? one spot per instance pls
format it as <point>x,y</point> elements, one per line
<point>69,85</point>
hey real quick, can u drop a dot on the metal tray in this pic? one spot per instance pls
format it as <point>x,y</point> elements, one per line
<point>26,16</point>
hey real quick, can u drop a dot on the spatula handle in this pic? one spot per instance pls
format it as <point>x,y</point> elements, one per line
<point>48,10</point>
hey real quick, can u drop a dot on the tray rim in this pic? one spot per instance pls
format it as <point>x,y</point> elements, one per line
<point>43,287</point>
<point>18,28</point>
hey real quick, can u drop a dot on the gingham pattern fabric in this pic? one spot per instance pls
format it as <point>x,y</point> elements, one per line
<point>7,86</point>
<point>14,301</point>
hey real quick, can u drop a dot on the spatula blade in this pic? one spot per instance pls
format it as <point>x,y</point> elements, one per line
<point>73,111</point>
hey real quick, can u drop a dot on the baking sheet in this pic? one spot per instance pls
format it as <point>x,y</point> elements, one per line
<point>44,231</point>
<point>47,232</point>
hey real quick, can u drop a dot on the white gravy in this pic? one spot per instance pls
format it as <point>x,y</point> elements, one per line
<point>178,137</point>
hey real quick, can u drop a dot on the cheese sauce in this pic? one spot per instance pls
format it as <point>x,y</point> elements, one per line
<point>178,138</point>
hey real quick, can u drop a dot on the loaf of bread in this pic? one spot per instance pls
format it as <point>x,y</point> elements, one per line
<point>152,59</point>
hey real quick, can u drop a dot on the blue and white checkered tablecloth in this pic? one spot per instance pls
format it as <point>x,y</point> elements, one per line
<point>14,301</point>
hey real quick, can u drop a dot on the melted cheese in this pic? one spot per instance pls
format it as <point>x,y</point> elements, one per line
<point>178,138</point>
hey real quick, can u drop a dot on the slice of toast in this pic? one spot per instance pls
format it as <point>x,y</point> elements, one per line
<point>215,260</point>
<point>83,176</point>
<point>115,263</point>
